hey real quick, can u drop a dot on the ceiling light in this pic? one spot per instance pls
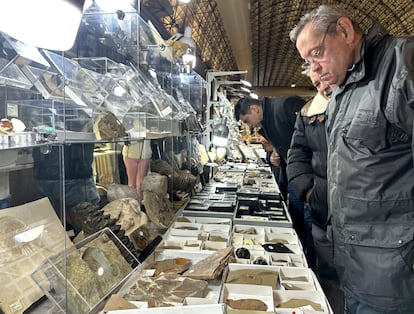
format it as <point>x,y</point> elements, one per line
<point>49,24</point>
<point>189,56</point>
<point>184,49</point>
<point>244,89</point>
<point>254,96</point>
<point>184,1</point>
<point>293,85</point>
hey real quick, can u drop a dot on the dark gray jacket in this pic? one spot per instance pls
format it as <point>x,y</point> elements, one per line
<point>306,167</point>
<point>279,116</point>
<point>278,124</point>
<point>371,174</point>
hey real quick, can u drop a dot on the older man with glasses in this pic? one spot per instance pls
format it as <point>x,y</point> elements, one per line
<point>370,155</point>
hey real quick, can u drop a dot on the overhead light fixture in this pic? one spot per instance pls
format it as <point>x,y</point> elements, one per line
<point>49,24</point>
<point>189,56</point>
<point>254,96</point>
<point>293,85</point>
<point>184,1</point>
<point>221,134</point>
<point>244,89</point>
<point>184,49</point>
<point>246,83</point>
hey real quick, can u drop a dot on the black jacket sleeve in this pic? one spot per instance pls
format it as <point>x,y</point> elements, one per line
<point>299,165</point>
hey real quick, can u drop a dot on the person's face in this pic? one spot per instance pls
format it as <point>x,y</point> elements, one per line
<point>329,55</point>
<point>324,89</point>
<point>253,119</point>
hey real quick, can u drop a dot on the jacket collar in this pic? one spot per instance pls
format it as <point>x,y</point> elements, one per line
<point>317,106</point>
<point>372,36</point>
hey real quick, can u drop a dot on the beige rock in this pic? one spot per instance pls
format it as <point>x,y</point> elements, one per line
<point>128,214</point>
<point>155,182</point>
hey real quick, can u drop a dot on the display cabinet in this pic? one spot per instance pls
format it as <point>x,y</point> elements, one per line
<point>109,89</point>
<point>101,258</point>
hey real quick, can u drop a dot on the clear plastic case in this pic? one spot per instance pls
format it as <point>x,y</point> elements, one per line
<point>80,278</point>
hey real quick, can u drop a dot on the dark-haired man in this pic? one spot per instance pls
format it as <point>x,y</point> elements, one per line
<point>276,119</point>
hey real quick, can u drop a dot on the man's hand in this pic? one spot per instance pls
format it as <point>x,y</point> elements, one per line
<point>275,159</point>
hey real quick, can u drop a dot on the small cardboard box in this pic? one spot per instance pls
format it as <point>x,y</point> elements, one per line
<point>239,292</point>
<point>252,270</point>
<point>188,309</point>
<point>296,275</point>
<point>317,298</point>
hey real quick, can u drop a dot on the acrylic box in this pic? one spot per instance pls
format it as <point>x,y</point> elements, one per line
<point>79,86</point>
<point>29,233</point>
<point>54,120</point>
<point>79,280</point>
<point>15,55</point>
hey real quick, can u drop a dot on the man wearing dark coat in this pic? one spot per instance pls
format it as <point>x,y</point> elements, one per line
<point>276,119</point>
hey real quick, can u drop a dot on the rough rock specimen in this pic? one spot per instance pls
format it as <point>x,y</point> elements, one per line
<point>127,213</point>
<point>81,211</point>
<point>155,182</point>
<point>178,180</point>
<point>210,267</point>
<point>172,265</point>
<point>159,209</point>
<point>107,126</point>
<point>117,191</point>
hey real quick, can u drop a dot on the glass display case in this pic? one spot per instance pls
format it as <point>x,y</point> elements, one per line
<point>53,120</point>
<point>125,84</point>
<point>50,104</point>
<point>29,234</point>
<point>101,258</point>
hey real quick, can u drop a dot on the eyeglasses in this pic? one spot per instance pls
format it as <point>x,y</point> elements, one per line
<point>317,53</point>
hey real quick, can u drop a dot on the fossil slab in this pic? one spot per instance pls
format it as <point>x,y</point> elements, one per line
<point>211,267</point>
<point>159,209</point>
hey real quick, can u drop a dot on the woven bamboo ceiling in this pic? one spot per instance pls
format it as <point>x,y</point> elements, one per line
<point>253,35</point>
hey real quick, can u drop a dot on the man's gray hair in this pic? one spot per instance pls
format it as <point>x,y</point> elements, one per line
<point>321,18</point>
